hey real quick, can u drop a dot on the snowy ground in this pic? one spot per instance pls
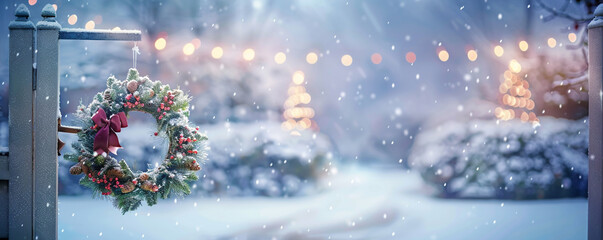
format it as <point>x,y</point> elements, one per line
<point>358,204</point>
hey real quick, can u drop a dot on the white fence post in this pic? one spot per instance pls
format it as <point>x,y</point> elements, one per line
<point>46,125</point>
<point>20,102</point>
<point>595,115</point>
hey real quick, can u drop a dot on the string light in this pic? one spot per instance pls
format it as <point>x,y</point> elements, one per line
<point>305,123</point>
<point>72,19</point>
<point>90,25</point>
<point>472,55</point>
<point>248,54</point>
<point>280,58</point>
<point>98,19</point>
<point>523,46</point>
<point>188,49</point>
<point>217,52</point>
<point>376,58</point>
<point>346,60</point>
<point>514,66</point>
<point>551,42</point>
<point>498,51</point>
<point>572,37</point>
<point>160,44</point>
<point>298,77</point>
<point>196,42</point>
<point>411,57</point>
<point>311,58</point>
<point>443,55</point>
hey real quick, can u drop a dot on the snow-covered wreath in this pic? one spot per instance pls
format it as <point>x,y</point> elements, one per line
<point>106,115</point>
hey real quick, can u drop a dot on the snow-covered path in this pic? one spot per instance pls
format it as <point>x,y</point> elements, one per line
<point>358,204</point>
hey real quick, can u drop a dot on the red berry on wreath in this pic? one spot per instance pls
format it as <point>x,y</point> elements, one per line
<point>116,174</point>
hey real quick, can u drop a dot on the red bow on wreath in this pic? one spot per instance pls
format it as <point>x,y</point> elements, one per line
<point>106,140</point>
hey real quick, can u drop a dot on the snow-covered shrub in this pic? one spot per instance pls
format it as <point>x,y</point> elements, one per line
<point>262,159</point>
<point>487,159</point>
<point>245,159</point>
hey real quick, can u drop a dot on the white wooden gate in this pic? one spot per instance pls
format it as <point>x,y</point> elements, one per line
<point>28,175</point>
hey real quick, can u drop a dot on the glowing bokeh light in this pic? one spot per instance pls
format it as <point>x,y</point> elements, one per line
<point>524,117</point>
<point>72,19</point>
<point>311,58</point>
<point>305,98</point>
<point>523,46</point>
<point>98,19</point>
<point>248,54</point>
<point>514,66</point>
<point>551,42</point>
<point>296,89</point>
<point>217,52</point>
<point>346,60</point>
<point>90,25</point>
<point>572,37</point>
<point>32,2</point>
<point>298,77</point>
<point>376,58</point>
<point>472,55</point>
<point>411,57</point>
<point>56,7</point>
<point>160,43</point>
<point>304,123</point>
<point>443,55</point>
<point>280,58</point>
<point>188,49</point>
<point>498,51</point>
<point>196,42</point>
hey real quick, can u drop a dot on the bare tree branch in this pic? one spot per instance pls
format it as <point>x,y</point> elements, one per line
<point>562,13</point>
<point>562,9</point>
<point>571,81</point>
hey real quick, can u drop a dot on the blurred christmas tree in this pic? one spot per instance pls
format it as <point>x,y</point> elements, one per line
<point>297,116</point>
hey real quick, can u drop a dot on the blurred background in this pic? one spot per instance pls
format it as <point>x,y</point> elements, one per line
<point>405,119</point>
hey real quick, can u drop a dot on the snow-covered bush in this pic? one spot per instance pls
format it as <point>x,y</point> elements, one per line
<point>487,159</point>
<point>245,159</point>
<point>262,159</point>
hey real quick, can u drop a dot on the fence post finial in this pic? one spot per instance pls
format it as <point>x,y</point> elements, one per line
<point>22,13</point>
<point>598,20</point>
<point>49,22</point>
<point>22,21</point>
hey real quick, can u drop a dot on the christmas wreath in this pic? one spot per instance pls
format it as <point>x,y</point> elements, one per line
<point>107,114</point>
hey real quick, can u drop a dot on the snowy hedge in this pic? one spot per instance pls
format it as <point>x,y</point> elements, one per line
<point>262,159</point>
<point>245,159</point>
<point>486,159</point>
